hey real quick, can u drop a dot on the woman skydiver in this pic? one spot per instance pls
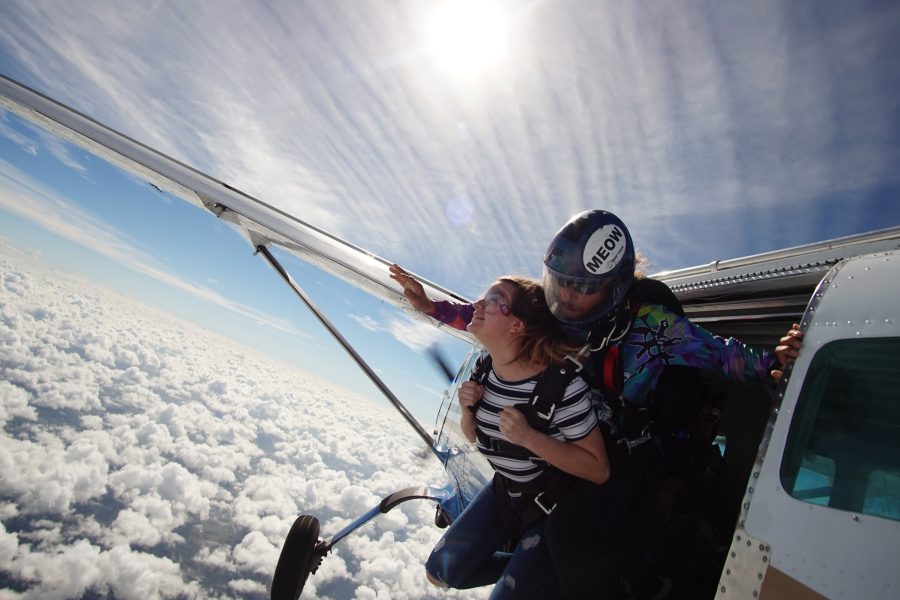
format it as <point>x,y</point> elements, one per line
<point>523,340</point>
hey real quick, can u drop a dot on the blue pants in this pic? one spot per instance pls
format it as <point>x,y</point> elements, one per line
<point>468,555</point>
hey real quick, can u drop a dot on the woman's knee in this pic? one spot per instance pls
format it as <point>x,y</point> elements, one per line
<point>433,580</point>
<point>439,566</point>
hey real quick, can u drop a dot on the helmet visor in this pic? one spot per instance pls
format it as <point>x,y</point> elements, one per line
<point>577,300</point>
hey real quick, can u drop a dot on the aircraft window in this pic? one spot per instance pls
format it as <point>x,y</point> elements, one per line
<point>843,447</point>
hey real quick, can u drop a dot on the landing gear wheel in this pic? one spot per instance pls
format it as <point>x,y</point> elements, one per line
<point>300,556</point>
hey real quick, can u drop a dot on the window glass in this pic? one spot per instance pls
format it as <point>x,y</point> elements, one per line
<point>843,447</point>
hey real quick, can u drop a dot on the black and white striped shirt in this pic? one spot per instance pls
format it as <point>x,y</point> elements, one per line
<point>573,419</point>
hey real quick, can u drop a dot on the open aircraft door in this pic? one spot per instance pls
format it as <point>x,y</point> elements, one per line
<point>821,513</point>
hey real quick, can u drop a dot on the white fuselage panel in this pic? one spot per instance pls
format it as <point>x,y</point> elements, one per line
<point>835,552</point>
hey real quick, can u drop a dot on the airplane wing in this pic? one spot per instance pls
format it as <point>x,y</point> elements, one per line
<point>756,298</point>
<point>262,223</point>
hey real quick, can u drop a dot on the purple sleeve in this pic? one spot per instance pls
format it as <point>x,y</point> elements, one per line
<point>694,346</point>
<point>454,314</point>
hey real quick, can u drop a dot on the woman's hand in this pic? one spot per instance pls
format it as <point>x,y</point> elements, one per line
<point>515,427</point>
<point>412,289</point>
<point>469,394</point>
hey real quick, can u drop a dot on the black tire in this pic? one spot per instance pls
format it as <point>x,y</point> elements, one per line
<point>297,559</point>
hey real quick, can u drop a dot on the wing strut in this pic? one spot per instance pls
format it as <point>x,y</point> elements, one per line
<point>343,342</point>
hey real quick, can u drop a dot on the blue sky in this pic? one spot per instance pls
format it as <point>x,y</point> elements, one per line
<point>713,129</point>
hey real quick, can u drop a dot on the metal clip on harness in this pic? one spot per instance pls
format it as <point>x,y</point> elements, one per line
<point>630,444</point>
<point>546,510</point>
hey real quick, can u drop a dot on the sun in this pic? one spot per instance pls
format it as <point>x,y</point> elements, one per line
<point>466,37</point>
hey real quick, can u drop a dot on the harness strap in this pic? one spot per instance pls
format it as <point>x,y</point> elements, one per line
<point>507,448</point>
<point>612,369</point>
<point>479,375</point>
<point>532,502</point>
<point>548,391</point>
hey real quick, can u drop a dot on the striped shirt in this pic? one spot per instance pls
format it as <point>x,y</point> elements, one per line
<point>573,419</point>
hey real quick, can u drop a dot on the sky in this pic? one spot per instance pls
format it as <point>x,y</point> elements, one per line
<point>715,130</point>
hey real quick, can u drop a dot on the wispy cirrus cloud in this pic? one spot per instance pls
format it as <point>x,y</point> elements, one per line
<point>708,136</point>
<point>42,140</point>
<point>417,336</point>
<point>61,152</point>
<point>27,144</point>
<point>367,322</point>
<point>411,333</point>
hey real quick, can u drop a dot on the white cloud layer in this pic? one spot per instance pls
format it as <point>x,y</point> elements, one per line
<point>144,458</point>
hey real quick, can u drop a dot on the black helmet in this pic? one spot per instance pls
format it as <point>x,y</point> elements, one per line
<point>592,253</point>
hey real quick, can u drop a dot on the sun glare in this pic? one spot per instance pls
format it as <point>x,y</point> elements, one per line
<point>467,36</point>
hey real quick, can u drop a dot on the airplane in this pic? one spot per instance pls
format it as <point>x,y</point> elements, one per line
<point>812,493</point>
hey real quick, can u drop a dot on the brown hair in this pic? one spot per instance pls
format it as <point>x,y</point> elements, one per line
<point>641,263</point>
<point>544,340</point>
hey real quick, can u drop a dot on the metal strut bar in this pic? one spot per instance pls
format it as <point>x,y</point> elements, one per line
<point>343,342</point>
<point>387,503</point>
